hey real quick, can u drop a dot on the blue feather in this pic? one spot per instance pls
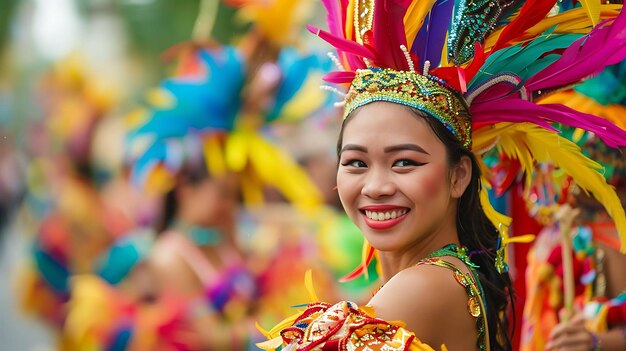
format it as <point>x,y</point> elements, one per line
<point>523,61</point>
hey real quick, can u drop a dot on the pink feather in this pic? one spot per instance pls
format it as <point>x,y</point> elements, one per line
<point>342,44</point>
<point>336,24</point>
<point>611,134</point>
<point>518,110</point>
<point>499,91</point>
<point>514,111</point>
<point>603,46</point>
<point>388,32</point>
<point>339,77</point>
<point>335,17</point>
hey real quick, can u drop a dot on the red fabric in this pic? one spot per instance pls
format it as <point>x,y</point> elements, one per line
<point>522,224</point>
<point>616,315</point>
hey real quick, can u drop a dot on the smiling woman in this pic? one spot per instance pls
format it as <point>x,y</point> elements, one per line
<point>403,179</point>
<point>394,176</point>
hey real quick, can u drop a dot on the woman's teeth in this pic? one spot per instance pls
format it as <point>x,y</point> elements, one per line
<point>383,216</point>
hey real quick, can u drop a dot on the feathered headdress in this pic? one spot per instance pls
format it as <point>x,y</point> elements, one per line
<point>603,96</point>
<point>478,66</point>
<point>217,106</point>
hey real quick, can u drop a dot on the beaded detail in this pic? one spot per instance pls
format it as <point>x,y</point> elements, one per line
<point>476,296</point>
<point>472,21</point>
<point>343,326</point>
<point>363,18</point>
<point>426,93</point>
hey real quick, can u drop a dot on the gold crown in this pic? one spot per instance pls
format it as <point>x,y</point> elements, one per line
<point>425,93</point>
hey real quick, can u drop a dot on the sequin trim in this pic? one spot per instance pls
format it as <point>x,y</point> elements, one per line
<point>469,281</point>
<point>424,93</point>
<point>473,20</point>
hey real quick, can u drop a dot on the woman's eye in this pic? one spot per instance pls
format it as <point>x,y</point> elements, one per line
<point>406,163</point>
<point>354,163</point>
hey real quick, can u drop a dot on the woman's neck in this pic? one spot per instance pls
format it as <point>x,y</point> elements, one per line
<point>394,262</point>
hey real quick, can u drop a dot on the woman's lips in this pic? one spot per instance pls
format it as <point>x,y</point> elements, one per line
<point>382,217</point>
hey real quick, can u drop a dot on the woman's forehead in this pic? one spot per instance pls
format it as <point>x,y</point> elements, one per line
<point>384,122</point>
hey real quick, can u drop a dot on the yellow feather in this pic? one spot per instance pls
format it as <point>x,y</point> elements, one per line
<point>414,18</point>
<point>528,142</point>
<point>508,138</point>
<point>364,251</point>
<point>444,55</point>
<point>274,332</point>
<point>160,98</point>
<point>89,295</point>
<point>214,156</point>
<point>276,168</point>
<point>236,151</point>
<point>308,283</point>
<point>308,99</point>
<point>251,189</point>
<point>160,180</point>
<point>571,21</point>
<point>278,20</point>
<point>136,118</point>
<point>271,344</point>
<point>593,10</point>
<point>350,20</point>
<point>494,216</point>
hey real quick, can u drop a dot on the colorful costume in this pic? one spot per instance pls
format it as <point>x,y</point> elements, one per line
<point>345,326</point>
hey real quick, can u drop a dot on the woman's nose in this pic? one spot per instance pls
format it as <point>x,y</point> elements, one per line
<point>378,184</point>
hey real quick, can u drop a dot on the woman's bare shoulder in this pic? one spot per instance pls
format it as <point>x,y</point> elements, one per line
<point>431,303</point>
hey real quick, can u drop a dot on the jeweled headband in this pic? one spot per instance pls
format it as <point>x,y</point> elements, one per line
<point>425,93</point>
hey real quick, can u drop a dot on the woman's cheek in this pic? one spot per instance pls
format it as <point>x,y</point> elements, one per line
<point>434,182</point>
<point>346,190</point>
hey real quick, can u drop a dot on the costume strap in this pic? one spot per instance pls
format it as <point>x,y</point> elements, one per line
<point>470,282</point>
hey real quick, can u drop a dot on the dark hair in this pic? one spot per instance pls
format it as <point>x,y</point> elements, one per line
<point>191,174</point>
<point>478,234</point>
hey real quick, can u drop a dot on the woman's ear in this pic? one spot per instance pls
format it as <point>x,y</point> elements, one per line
<point>461,176</point>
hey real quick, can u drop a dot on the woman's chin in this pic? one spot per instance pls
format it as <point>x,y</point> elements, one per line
<point>383,244</point>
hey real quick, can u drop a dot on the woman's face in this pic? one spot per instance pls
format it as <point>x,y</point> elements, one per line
<point>393,177</point>
<point>213,201</point>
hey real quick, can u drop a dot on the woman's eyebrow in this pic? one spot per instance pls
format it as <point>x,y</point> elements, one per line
<point>401,147</point>
<point>353,147</point>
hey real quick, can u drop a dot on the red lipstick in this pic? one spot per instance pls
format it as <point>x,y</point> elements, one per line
<point>384,224</point>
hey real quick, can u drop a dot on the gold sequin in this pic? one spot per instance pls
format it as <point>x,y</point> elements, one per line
<point>473,306</point>
<point>460,278</point>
